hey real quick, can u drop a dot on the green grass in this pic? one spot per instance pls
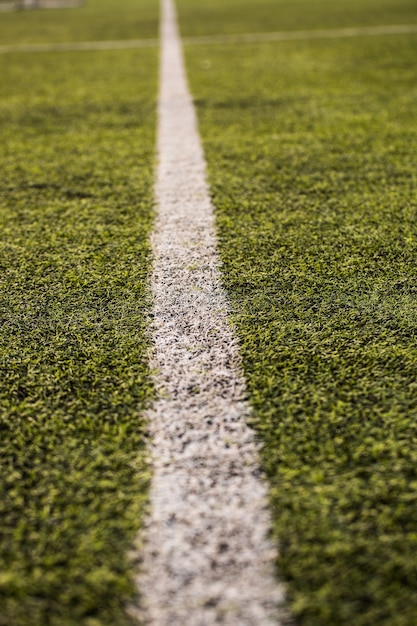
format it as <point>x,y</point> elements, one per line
<point>95,20</point>
<point>76,161</point>
<point>212,17</point>
<point>312,165</point>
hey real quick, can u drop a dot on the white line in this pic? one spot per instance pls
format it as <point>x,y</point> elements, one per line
<point>207,559</point>
<point>126,44</point>
<point>73,46</point>
<point>334,33</point>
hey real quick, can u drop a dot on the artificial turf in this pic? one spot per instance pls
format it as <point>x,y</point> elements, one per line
<point>213,17</point>
<point>94,20</point>
<point>312,166</point>
<point>76,161</point>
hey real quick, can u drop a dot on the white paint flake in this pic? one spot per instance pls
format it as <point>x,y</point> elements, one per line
<point>207,559</point>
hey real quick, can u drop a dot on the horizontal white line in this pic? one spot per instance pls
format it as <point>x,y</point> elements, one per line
<point>71,46</point>
<point>126,44</point>
<point>333,33</point>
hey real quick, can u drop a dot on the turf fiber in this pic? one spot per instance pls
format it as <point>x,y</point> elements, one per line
<point>312,166</point>
<point>76,158</point>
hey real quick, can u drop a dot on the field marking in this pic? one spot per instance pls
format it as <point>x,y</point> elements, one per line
<point>207,558</point>
<point>333,33</point>
<point>73,46</point>
<point>132,44</point>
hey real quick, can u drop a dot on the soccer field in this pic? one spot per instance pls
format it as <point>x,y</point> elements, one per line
<point>76,159</point>
<point>310,146</point>
<point>312,163</point>
<point>95,20</point>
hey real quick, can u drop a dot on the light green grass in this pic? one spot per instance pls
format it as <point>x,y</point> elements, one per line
<point>76,161</point>
<point>312,165</point>
<point>95,20</point>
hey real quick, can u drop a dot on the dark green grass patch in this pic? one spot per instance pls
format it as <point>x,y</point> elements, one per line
<point>94,20</point>
<point>312,164</point>
<point>76,161</point>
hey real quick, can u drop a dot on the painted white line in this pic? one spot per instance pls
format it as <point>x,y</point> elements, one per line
<point>126,44</point>
<point>334,33</point>
<point>73,46</point>
<point>207,559</point>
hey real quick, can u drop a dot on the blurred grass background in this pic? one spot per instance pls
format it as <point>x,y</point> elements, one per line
<point>212,17</point>
<point>95,20</point>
